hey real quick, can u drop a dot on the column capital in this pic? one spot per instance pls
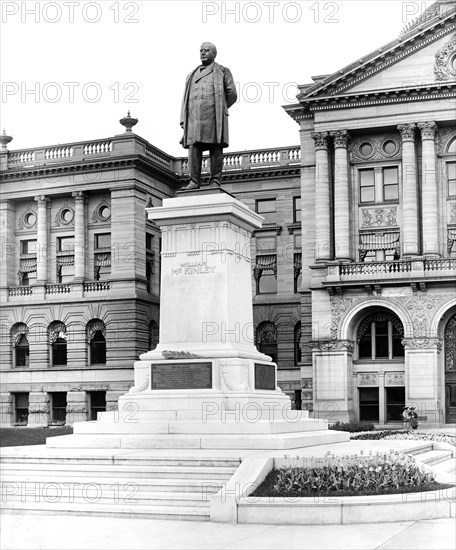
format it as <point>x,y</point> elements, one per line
<point>79,196</point>
<point>321,140</point>
<point>42,200</point>
<point>428,130</point>
<point>407,131</point>
<point>341,138</point>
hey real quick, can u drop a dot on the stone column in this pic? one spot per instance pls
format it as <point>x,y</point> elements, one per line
<point>76,407</point>
<point>322,198</point>
<point>79,236</point>
<point>341,196</point>
<point>409,236</point>
<point>42,233</point>
<point>429,190</point>
<point>381,398</point>
<point>39,409</point>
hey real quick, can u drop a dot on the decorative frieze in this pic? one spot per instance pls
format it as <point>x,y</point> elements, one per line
<point>368,379</point>
<point>378,148</point>
<point>394,379</point>
<point>379,217</point>
<point>444,64</point>
<point>420,308</point>
<point>333,345</point>
<point>422,343</point>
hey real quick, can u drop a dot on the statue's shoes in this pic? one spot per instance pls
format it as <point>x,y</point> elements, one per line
<point>214,185</point>
<point>190,186</point>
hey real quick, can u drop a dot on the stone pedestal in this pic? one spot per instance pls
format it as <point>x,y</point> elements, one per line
<point>205,386</point>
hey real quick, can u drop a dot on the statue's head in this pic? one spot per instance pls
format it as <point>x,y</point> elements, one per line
<point>208,52</point>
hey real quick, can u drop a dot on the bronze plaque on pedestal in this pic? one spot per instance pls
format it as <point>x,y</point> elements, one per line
<point>265,377</point>
<point>183,376</point>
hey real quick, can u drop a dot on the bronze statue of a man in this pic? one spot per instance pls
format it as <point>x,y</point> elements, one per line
<point>209,93</point>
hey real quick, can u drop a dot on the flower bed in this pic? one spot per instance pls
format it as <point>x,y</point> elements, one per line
<point>332,475</point>
<point>443,437</point>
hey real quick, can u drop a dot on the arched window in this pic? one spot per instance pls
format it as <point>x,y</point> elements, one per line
<point>266,339</point>
<point>297,343</point>
<point>20,345</point>
<point>380,337</point>
<point>96,339</point>
<point>153,335</point>
<point>58,343</point>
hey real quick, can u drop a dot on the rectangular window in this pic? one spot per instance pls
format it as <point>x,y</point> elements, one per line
<point>265,274</point>
<point>29,279</point>
<point>296,209</point>
<point>266,244</point>
<point>65,244</point>
<point>103,240</point>
<point>391,184</point>
<point>58,407</point>
<point>149,273</point>
<point>21,408</point>
<point>379,187</point>
<point>267,209</point>
<point>451,177</point>
<point>368,405</point>
<point>367,185</point>
<point>65,274</point>
<point>149,241</point>
<point>29,247</point>
<point>297,271</point>
<point>97,403</point>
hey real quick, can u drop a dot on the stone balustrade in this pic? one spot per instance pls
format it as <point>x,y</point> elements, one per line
<point>248,160</point>
<point>394,269</point>
<point>19,291</point>
<point>122,145</point>
<point>58,289</point>
<point>97,286</point>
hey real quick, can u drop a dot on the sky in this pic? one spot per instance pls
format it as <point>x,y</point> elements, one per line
<point>71,69</point>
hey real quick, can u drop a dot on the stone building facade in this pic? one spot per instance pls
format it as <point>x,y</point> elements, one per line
<point>378,142</point>
<point>80,268</point>
<point>353,272</point>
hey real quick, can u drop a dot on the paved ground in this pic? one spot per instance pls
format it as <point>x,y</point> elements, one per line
<point>40,532</point>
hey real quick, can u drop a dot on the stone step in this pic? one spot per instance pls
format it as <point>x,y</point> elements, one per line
<point>96,471</point>
<point>11,483</point>
<point>446,467</point>
<point>199,441</point>
<point>231,426</point>
<point>242,413</point>
<point>119,461</point>
<point>130,495</point>
<point>419,447</point>
<point>200,513</point>
<point>433,457</point>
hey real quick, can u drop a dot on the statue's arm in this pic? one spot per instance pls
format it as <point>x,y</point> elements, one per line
<point>230,88</point>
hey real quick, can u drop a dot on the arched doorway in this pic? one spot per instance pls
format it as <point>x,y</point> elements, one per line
<point>450,370</point>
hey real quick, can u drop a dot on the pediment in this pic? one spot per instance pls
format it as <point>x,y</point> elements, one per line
<point>430,65</point>
<point>424,56</point>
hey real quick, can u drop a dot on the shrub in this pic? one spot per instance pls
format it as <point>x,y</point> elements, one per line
<point>382,434</point>
<point>351,427</point>
<point>350,474</point>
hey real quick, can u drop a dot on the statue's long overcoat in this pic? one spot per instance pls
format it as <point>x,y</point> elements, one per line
<point>225,96</point>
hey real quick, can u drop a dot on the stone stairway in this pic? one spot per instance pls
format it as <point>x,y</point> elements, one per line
<point>442,461</point>
<point>158,486</point>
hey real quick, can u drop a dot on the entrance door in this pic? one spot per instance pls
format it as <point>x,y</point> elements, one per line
<point>368,405</point>
<point>450,371</point>
<point>395,403</point>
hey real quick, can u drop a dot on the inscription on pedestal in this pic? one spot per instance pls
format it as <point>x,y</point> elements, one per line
<point>265,377</point>
<point>183,376</point>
